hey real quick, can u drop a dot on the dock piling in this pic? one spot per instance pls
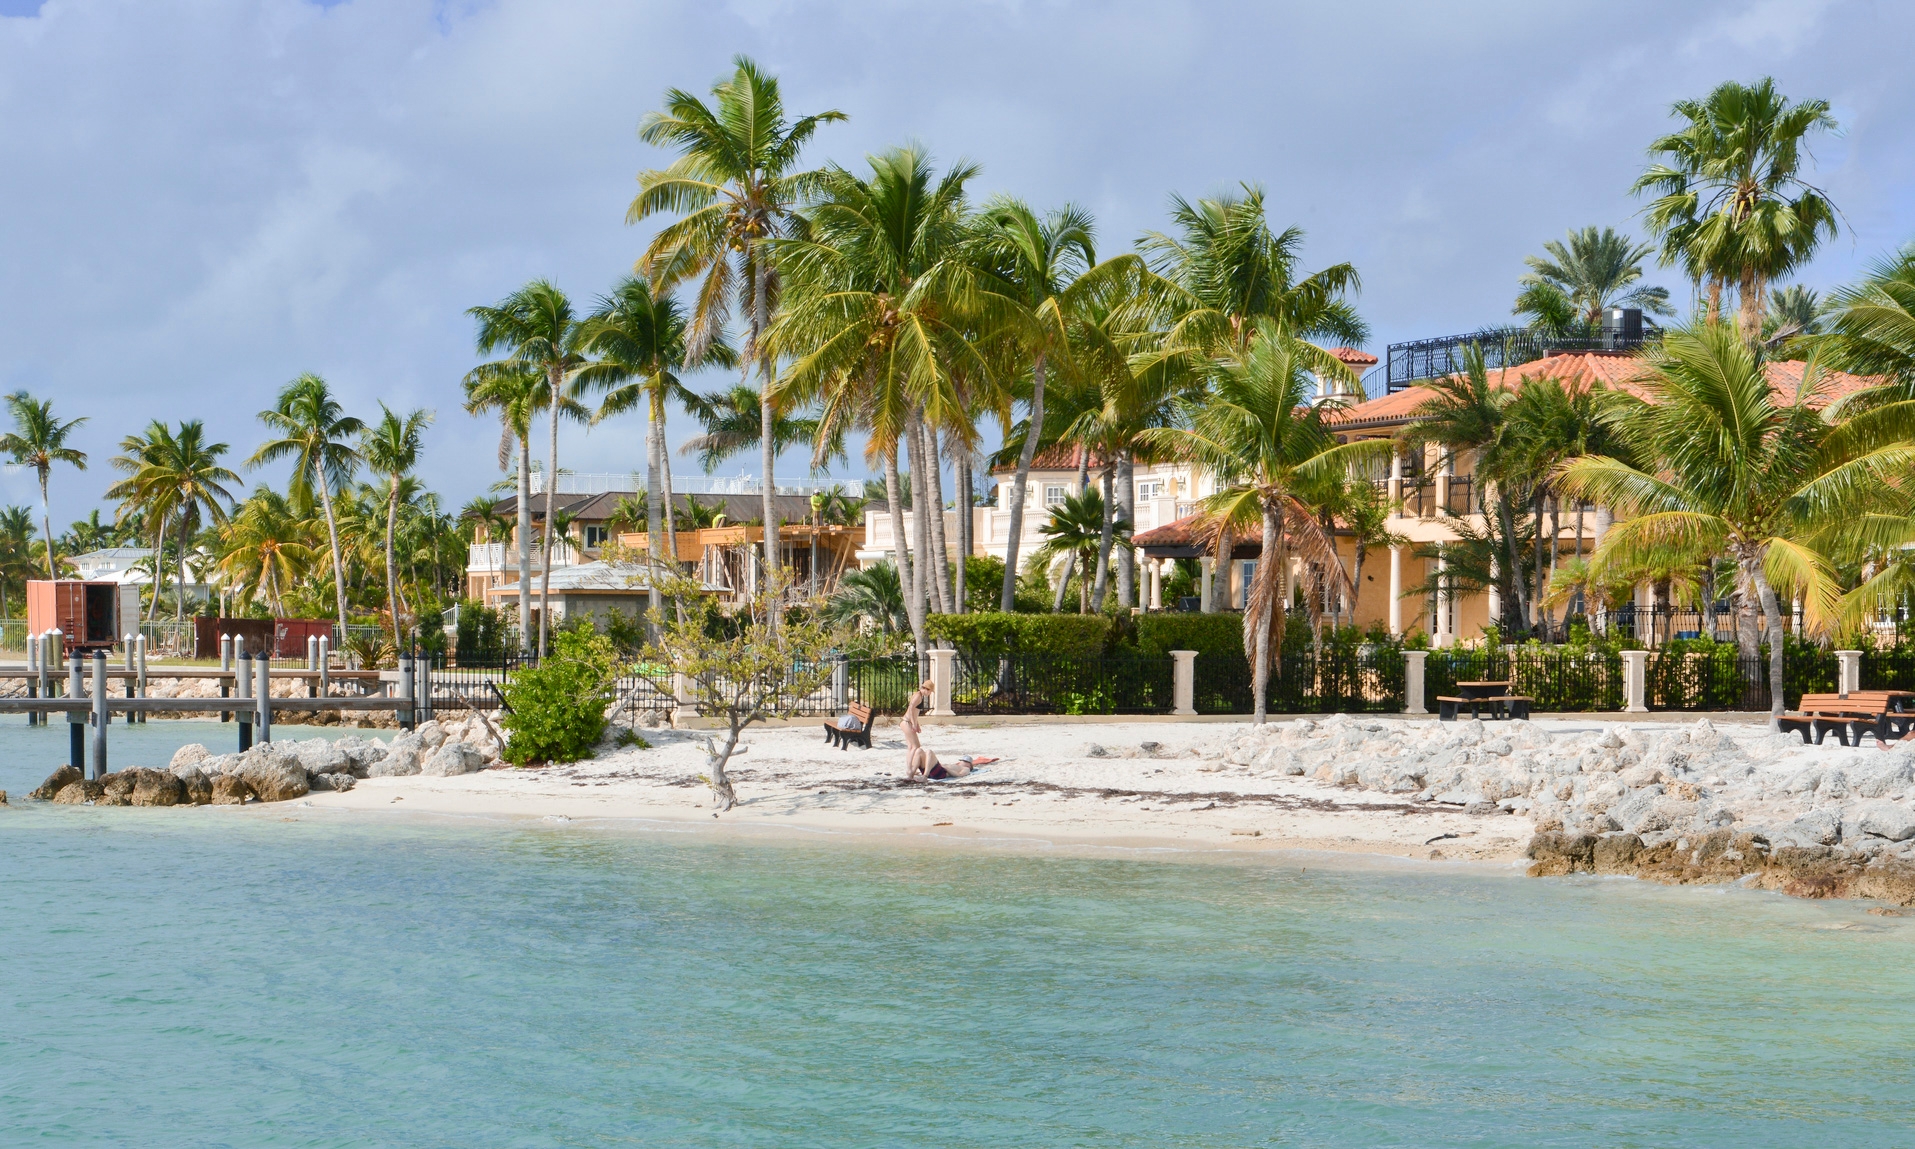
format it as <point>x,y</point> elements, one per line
<point>75,720</point>
<point>263,667</point>
<point>243,681</point>
<point>325,668</point>
<point>406,716</point>
<point>101,716</point>
<point>141,666</point>
<point>225,668</point>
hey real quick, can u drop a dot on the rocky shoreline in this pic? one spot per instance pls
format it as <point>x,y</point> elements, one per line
<point>1688,804</point>
<point>279,771</point>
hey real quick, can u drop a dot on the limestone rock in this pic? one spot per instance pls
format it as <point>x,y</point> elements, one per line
<point>321,756</point>
<point>1815,828</point>
<point>431,734</point>
<point>454,758</point>
<point>189,755</point>
<point>116,789</point>
<point>79,793</point>
<point>1887,820</point>
<point>400,760</point>
<point>156,788</point>
<point>340,782</point>
<point>230,790</point>
<point>58,780</point>
<point>273,774</point>
<point>198,788</point>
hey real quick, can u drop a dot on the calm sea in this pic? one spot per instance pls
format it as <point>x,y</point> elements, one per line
<point>207,978</point>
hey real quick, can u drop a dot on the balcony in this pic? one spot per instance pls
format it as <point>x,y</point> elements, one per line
<point>1508,347</point>
<point>494,558</point>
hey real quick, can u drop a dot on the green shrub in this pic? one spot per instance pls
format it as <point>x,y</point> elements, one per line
<point>1159,634</point>
<point>558,707</point>
<point>481,633</point>
<point>995,634</point>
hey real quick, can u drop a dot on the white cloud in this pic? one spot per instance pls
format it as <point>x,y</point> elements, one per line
<point>205,199</point>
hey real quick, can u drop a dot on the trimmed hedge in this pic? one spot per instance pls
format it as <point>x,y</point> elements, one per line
<point>995,634</point>
<point>1159,634</point>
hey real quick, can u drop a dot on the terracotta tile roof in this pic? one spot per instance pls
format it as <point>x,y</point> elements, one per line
<point>1062,457</point>
<point>1185,532</point>
<point>1621,372</point>
<point>1354,357</point>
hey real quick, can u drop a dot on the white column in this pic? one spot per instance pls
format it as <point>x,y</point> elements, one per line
<point>1396,485</point>
<point>1396,592</point>
<point>943,668</point>
<point>1183,683</point>
<point>1849,671</point>
<point>1635,679</point>
<point>1207,563</point>
<point>1495,595</point>
<point>687,702</point>
<point>1413,681</point>
<point>1155,574</point>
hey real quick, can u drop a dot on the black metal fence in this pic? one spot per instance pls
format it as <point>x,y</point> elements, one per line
<point>1029,684</point>
<point>1363,680</point>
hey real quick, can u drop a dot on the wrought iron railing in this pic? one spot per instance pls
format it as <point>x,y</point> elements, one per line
<point>1501,347</point>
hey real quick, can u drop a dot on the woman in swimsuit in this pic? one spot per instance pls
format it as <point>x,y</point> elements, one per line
<point>919,760</point>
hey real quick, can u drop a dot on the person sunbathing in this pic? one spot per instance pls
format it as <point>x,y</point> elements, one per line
<point>922,763</point>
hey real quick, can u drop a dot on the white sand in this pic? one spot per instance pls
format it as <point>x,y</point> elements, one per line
<point>1049,788</point>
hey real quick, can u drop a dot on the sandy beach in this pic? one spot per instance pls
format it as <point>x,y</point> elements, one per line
<point>1113,784</point>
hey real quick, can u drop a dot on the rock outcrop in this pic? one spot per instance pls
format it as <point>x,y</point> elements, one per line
<point>453,758</point>
<point>1723,855</point>
<point>56,781</point>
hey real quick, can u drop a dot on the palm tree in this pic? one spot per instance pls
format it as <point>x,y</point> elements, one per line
<point>736,184</point>
<point>517,398</point>
<point>1595,270</point>
<point>1227,270</point>
<point>314,431</point>
<point>1260,434</point>
<point>1362,511</point>
<point>875,323</point>
<point>1731,205</point>
<point>137,452</point>
<point>1794,310</point>
<point>183,476</point>
<point>1076,530</point>
<point>873,595</point>
<point>1871,325</point>
<point>16,551</point>
<point>733,425</point>
<point>89,534</point>
<point>391,448</point>
<point>639,335</point>
<point>535,325</point>
<point>265,548</point>
<point>1733,468</point>
<point>1035,263</point>
<point>1467,415</point>
<point>39,440</point>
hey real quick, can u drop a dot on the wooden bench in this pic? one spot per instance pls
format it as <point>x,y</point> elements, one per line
<point>1880,713</point>
<point>838,736</point>
<point>1498,705</point>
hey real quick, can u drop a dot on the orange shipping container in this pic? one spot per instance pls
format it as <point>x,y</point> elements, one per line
<point>85,613</point>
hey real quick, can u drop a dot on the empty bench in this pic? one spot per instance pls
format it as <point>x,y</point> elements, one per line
<point>1881,713</point>
<point>838,736</point>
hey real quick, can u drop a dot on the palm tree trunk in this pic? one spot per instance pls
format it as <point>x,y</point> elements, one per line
<point>1063,582</point>
<point>1104,536</point>
<point>1021,482</point>
<point>1515,598</point>
<point>934,490</point>
<point>1752,305</point>
<point>46,524</point>
<point>1536,583</point>
<point>924,583</point>
<point>1260,665</point>
<point>332,537</point>
<point>551,493</point>
<point>913,613</point>
<point>524,536</point>
<point>965,545</point>
<point>1772,616</point>
<point>1220,570</point>
<point>1356,578</point>
<point>1127,508</point>
<point>768,447</point>
<point>392,572</point>
<point>654,519</point>
<point>179,600</point>
<point>159,549</point>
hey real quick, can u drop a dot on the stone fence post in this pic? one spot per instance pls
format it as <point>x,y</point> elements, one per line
<point>1848,678</point>
<point>1635,681</point>
<point>687,703</point>
<point>1183,683</point>
<point>841,684</point>
<point>943,671</point>
<point>1413,681</point>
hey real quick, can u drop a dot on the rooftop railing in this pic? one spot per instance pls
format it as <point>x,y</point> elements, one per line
<point>1501,347</point>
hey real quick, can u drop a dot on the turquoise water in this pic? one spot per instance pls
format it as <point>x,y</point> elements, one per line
<point>204,977</point>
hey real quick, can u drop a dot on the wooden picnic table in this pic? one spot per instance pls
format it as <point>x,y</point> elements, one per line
<point>1483,689</point>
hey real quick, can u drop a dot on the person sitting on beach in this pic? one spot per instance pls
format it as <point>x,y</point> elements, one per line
<point>848,722</point>
<point>923,763</point>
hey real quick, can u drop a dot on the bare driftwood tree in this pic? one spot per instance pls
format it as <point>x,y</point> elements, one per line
<point>762,662</point>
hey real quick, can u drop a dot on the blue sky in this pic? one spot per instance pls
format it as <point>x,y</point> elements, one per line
<point>202,200</point>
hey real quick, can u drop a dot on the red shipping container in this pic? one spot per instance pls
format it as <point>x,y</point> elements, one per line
<point>85,613</point>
